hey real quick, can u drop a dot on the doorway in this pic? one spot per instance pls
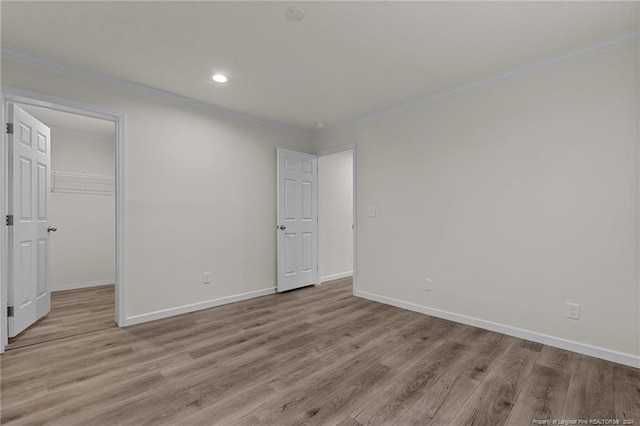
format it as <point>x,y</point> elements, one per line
<point>117,121</point>
<point>336,218</point>
<point>331,173</point>
<point>81,254</point>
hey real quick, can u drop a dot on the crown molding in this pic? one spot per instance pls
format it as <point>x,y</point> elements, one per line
<point>628,37</point>
<point>623,39</point>
<point>18,55</point>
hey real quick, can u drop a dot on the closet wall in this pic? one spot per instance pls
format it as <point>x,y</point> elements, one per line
<point>83,248</point>
<point>335,193</point>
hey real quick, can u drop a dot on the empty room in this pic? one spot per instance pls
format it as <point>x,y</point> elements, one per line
<point>330,213</point>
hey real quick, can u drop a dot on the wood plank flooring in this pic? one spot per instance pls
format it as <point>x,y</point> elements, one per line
<point>73,312</point>
<point>312,356</point>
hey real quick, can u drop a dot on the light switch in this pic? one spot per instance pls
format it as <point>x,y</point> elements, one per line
<point>371,212</point>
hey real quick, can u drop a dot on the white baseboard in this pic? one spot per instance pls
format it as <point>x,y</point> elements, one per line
<point>582,348</point>
<point>178,310</point>
<point>86,284</point>
<point>332,277</point>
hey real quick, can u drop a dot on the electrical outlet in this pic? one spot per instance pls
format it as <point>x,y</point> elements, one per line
<point>371,211</point>
<point>428,284</point>
<point>206,278</point>
<point>573,311</point>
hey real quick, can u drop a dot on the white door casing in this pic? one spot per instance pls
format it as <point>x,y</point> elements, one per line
<point>297,227</point>
<point>29,204</point>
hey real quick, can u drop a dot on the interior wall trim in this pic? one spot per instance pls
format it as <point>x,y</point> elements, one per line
<point>179,310</point>
<point>338,276</point>
<point>545,339</point>
<point>592,49</point>
<point>620,40</point>
<point>22,56</point>
<point>85,284</point>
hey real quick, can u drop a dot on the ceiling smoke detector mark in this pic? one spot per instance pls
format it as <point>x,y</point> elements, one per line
<point>295,14</point>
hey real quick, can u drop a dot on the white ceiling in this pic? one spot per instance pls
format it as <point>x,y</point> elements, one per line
<point>67,122</point>
<point>343,61</point>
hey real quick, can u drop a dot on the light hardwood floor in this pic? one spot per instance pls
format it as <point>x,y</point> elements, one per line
<point>312,356</point>
<point>73,312</point>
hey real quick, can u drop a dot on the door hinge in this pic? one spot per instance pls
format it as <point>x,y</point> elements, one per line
<point>9,128</point>
<point>9,220</point>
<point>9,311</point>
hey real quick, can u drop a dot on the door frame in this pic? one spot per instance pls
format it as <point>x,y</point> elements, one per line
<point>323,153</point>
<point>10,94</point>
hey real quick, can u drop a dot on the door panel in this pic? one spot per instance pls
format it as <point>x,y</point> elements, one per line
<point>24,273</point>
<point>42,144</point>
<point>42,192</point>
<point>297,219</point>
<point>29,203</point>
<point>25,135</point>
<point>43,248</point>
<point>290,254</point>
<point>307,252</point>
<point>307,203</point>
<point>290,199</point>
<point>25,189</point>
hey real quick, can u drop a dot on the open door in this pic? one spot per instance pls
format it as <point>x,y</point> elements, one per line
<point>29,298</point>
<point>297,215</point>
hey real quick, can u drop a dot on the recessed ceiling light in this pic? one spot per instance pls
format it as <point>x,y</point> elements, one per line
<point>219,78</point>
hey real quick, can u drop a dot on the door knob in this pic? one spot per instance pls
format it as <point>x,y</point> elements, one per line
<point>51,229</point>
<point>282,227</point>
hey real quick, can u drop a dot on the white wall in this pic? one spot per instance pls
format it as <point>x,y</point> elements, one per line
<point>514,199</point>
<point>200,194</point>
<point>335,196</point>
<point>83,248</point>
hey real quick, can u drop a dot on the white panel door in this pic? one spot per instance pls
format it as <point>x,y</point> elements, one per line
<point>29,204</point>
<point>297,225</point>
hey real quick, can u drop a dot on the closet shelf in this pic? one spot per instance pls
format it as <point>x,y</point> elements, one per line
<point>82,183</point>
